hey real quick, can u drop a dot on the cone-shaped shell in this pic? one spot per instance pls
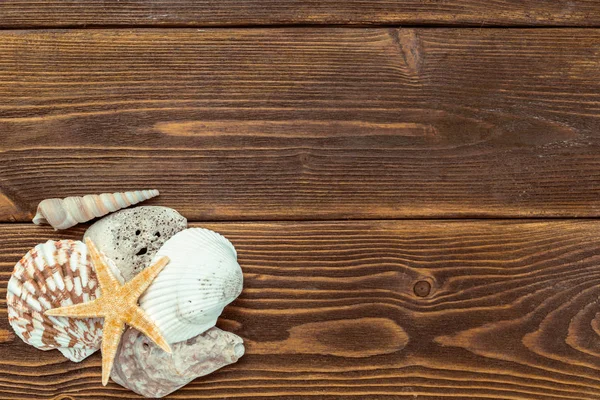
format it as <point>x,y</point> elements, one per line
<point>202,277</point>
<point>51,275</point>
<point>70,211</point>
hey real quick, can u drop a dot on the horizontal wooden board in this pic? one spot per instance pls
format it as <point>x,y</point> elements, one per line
<point>253,124</point>
<point>86,13</point>
<point>502,310</point>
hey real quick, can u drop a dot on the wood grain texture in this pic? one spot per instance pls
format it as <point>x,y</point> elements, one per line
<point>294,124</point>
<point>329,311</point>
<point>86,13</point>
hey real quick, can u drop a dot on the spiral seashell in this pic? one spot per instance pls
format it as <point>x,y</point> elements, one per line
<point>202,277</point>
<point>70,211</point>
<point>51,275</point>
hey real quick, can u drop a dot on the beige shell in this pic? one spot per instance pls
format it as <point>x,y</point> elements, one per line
<point>202,277</point>
<point>55,274</point>
<point>147,370</point>
<point>68,212</point>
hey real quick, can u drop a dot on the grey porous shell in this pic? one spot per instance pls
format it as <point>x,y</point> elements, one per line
<point>132,237</point>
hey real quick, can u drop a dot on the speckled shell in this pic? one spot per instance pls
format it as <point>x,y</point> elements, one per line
<point>202,277</point>
<point>68,212</point>
<point>143,367</point>
<point>55,274</point>
<point>132,237</point>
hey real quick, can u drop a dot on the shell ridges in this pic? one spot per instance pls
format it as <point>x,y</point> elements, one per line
<point>54,274</point>
<point>68,212</point>
<point>202,278</point>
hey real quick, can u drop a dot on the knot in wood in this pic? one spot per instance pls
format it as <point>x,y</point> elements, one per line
<point>422,288</point>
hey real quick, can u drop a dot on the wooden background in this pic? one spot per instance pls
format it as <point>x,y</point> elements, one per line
<point>413,186</point>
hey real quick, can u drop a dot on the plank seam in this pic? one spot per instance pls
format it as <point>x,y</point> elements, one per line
<point>290,26</point>
<point>432,219</point>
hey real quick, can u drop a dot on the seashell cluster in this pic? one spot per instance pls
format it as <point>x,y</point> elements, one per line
<point>147,370</point>
<point>194,274</point>
<point>54,274</point>
<point>68,212</point>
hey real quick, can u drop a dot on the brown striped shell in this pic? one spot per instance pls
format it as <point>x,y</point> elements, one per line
<point>55,274</point>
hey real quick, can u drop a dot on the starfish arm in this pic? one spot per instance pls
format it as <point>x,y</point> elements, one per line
<point>142,281</point>
<point>105,277</point>
<point>83,310</point>
<point>143,323</point>
<point>111,336</point>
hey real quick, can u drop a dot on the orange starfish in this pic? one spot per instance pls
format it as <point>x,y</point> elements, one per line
<point>118,306</point>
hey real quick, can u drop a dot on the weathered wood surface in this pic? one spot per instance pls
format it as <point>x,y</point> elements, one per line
<point>274,124</point>
<point>330,310</point>
<point>86,13</point>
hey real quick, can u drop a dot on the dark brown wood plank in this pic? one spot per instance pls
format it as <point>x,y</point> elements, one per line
<point>329,310</point>
<point>85,13</point>
<point>305,124</point>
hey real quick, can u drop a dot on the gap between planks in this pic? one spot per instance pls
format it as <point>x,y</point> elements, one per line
<point>291,27</point>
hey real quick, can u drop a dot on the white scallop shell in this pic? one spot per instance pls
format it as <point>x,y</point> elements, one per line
<point>68,212</point>
<point>55,274</point>
<point>203,276</point>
